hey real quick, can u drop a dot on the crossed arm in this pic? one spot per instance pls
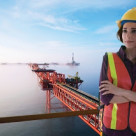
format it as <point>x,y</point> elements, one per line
<point>120,95</point>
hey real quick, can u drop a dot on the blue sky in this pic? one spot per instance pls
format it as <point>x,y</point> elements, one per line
<point>49,31</point>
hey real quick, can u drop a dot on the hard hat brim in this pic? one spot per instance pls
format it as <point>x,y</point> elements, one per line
<point>118,23</point>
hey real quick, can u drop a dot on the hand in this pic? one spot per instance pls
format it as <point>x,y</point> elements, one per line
<point>109,88</point>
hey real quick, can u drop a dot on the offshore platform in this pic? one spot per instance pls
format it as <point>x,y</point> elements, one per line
<point>73,63</point>
<point>66,90</point>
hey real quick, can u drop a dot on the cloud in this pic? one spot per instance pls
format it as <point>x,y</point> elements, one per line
<point>106,29</point>
<point>57,23</point>
<point>53,44</point>
<point>78,4</point>
<point>45,19</point>
<point>53,14</point>
<point>107,44</point>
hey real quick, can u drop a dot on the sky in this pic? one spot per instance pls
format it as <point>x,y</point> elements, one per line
<point>50,31</point>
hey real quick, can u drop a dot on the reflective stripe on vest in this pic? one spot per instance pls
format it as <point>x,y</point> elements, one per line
<point>114,77</point>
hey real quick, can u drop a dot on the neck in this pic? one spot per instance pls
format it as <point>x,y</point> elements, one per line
<point>131,54</point>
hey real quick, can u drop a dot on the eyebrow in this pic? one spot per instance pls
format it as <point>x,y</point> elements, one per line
<point>131,28</point>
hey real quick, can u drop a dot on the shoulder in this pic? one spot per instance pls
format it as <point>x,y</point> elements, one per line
<point>105,61</point>
<point>109,54</point>
<point>105,57</point>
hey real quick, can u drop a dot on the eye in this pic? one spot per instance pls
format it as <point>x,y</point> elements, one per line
<point>134,31</point>
<point>124,31</point>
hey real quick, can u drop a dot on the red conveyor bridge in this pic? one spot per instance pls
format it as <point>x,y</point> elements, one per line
<point>76,100</point>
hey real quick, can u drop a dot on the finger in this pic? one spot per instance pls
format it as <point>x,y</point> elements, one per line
<point>104,93</point>
<point>106,86</point>
<point>101,90</point>
<point>102,85</point>
<point>105,82</point>
<point>107,92</point>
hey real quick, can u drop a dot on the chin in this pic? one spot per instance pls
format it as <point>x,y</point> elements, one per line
<point>130,45</point>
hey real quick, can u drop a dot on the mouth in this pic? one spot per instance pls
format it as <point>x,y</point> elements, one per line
<point>129,41</point>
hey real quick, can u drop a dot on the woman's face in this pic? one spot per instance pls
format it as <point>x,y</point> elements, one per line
<point>129,35</point>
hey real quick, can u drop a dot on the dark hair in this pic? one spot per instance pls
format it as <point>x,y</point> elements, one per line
<point>119,34</point>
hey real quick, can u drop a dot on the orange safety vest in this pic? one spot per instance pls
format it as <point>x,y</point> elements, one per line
<point>119,116</point>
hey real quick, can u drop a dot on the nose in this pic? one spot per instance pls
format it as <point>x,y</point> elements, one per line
<point>128,35</point>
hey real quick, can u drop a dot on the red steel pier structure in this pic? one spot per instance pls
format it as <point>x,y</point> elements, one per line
<point>66,90</point>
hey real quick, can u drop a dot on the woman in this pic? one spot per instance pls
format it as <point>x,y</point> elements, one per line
<point>118,81</point>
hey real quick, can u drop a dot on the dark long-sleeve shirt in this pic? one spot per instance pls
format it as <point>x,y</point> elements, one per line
<point>107,98</point>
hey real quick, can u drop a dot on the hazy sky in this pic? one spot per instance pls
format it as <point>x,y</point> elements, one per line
<point>50,30</point>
